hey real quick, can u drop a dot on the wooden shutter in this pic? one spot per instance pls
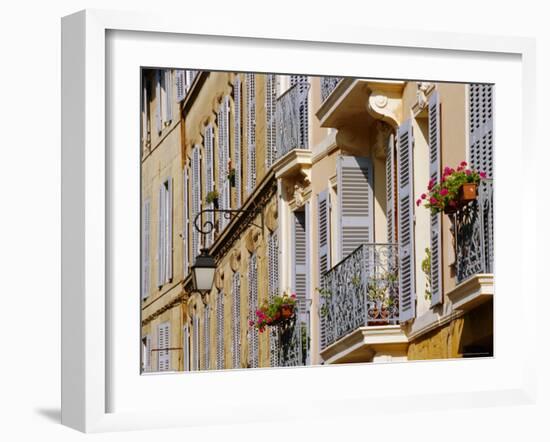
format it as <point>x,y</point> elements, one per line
<point>169,231</point>
<point>273,276</point>
<point>168,95</point>
<point>237,139</point>
<point>196,203</point>
<point>158,101</point>
<point>355,201</point>
<point>163,347</point>
<point>299,270</point>
<point>434,138</point>
<point>161,255</point>
<point>390,190</point>
<point>206,338</point>
<point>209,176</point>
<point>185,223</point>
<point>145,250</point>
<point>220,354</point>
<point>270,104</point>
<point>302,84</point>
<point>251,132</point>
<point>196,341</point>
<point>407,292</point>
<point>186,349</point>
<point>180,85</point>
<point>236,293</point>
<point>323,211</point>
<point>253,352</point>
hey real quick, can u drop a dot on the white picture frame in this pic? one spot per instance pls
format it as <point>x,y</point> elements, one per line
<point>91,370</point>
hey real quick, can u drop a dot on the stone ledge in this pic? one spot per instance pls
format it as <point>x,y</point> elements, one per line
<point>472,292</point>
<point>296,160</point>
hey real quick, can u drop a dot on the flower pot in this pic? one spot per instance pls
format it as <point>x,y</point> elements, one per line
<point>468,192</point>
<point>287,311</point>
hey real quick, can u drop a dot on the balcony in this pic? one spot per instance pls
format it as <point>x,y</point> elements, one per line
<point>290,343</point>
<point>473,232</point>
<point>361,291</point>
<point>291,120</point>
<point>328,84</point>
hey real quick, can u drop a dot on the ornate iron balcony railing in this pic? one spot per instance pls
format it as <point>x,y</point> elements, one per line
<point>473,228</point>
<point>290,343</point>
<point>327,86</point>
<point>361,290</point>
<point>291,119</point>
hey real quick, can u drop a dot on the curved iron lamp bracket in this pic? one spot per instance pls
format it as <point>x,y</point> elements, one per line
<point>208,226</point>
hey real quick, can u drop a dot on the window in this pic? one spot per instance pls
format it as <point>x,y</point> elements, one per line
<point>163,347</point>
<point>164,247</point>
<point>146,353</point>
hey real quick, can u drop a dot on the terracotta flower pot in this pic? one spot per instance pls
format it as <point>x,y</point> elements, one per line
<point>287,311</point>
<point>468,192</point>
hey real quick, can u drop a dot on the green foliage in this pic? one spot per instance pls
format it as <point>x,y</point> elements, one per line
<point>427,269</point>
<point>270,313</point>
<point>211,196</point>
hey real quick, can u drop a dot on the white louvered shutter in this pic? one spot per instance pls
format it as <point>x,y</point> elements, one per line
<point>481,104</point>
<point>209,177</point>
<point>180,85</point>
<point>302,84</point>
<point>323,211</point>
<point>161,255</point>
<point>299,270</point>
<point>148,353</point>
<point>163,347</point>
<point>434,138</point>
<point>144,106</point>
<point>237,134</point>
<point>407,292</point>
<point>145,250</point>
<point>196,342</point>
<point>251,132</point>
<point>158,101</point>
<point>390,190</point>
<point>206,339</point>
<point>196,203</point>
<point>186,349</point>
<point>169,231</point>
<point>168,94</point>
<point>355,201</point>
<point>236,320</point>
<point>223,159</point>
<point>253,353</point>
<point>273,276</point>
<point>220,318</point>
<point>185,223</point>
<point>270,105</point>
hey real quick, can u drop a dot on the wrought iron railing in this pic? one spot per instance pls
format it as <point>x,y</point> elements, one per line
<point>291,119</point>
<point>328,84</point>
<point>473,233</point>
<point>291,341</point>
<point>361,290</point>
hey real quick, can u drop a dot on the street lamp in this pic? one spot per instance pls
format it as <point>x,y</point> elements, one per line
<point>203,272</point>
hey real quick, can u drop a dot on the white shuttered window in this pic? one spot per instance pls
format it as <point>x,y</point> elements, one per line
<point>165,227</point>
<point>237,140</point>
<point>163,346</point>
<point>236,291</point>
<point>145,250</point>
<point>220,318</point>
<point>251,132</point>
<point>253,352</point>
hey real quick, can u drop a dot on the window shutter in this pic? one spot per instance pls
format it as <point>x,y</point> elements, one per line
<point>481,159</point>
<point>196,195</point>
<point>390,190</point>
<point>251,132</point>
<point>163,347</point>
<point>302,84</point>
<point>145,249</point>
<point>299,271</point>
<point>434,130</point>
<point>355,200</point>
<point>144,106</point>
<point>209,176</point>
<point>270,104</point>
<point>180,85</point>
<point>168,95</point>
<point>220,356</point>
<point>169,231</point>
<point>185,223</point>
<point>148,353</point>
<point>206,339</point>
<point>158,100</point>
<point>196,342</point>
<point>236,292</point>
<point>223,159</point>
<point>407,293</point>
<point>186,350</point>
<point>323,211</point>
<point>237,139</point>
<point>273,276</point>
<point>252,307</point>
<point>161,237</point>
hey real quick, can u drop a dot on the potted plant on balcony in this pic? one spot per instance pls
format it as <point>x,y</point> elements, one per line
<point>457,188</point>
<point>212,197</point>
<point>230,173</point>
<point>280,311</point>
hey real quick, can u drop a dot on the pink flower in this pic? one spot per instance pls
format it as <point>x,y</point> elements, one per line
<point>468,172</point>
<point>431,184</point>
<point>423,196</point>
<point>443,192</point>
<point>418,201</point>
<point>464,164</point>
<point>482,175</point>
<point>293,296</point>
<point>433,200</point>
<point>446,171</point>
<point>250,323</point>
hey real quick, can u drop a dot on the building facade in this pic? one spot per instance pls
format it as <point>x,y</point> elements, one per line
<point>307,185</point>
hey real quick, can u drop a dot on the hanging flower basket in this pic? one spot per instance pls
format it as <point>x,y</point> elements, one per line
<point>279,312</point>
<point>287,311</point>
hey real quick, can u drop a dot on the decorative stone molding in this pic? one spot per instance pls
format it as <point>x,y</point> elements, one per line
<point>352,141</point>
<point>386,106</point>
<point>383,131</point>
<point>423,89</point>
<point>251,240</point>
<point>235,259</point>
<point>271,216</point>
<point>219,277</point>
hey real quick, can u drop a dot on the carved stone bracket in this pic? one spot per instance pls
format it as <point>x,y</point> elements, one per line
<point>383,131</point>
<point>423,89</point>
<point>272,215</point>
<point>386,106</point>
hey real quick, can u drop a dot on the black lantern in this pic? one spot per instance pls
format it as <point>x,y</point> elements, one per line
<point>203,272</point>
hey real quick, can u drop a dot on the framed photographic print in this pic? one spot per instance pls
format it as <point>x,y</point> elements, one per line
<point>320,221</point>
